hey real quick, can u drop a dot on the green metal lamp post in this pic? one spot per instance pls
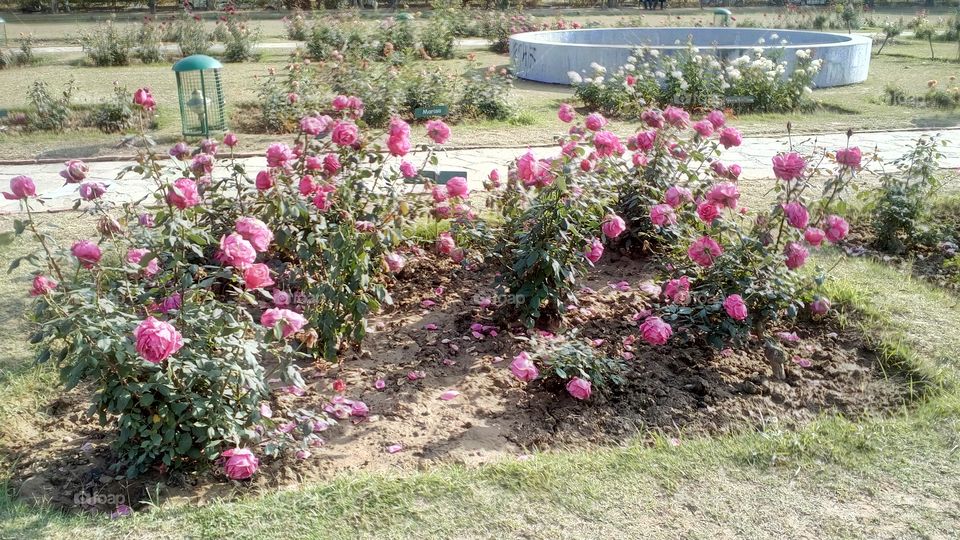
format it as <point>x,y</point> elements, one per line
<point>200,89</point>
<point>721,17</point>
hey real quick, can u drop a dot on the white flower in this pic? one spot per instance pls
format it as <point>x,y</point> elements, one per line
<point>684,85</point>
<point>630,67</point>
<point>575,77</point>
<point>631,59</point>
<point>761,41</point>
<point>774,36</point>
<point>588,80</point>
<point>598,81</point>
<point>676,74</point>
<point>654,53</point>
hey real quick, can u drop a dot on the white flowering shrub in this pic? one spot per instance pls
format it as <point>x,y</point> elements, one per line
<point>695,79</point>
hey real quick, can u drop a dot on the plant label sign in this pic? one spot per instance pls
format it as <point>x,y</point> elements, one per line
<point>436,177</point>
<point>427,112</point>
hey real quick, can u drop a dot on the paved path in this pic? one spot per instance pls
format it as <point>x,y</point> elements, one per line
<point>753,155</point>
<point>218,48</point>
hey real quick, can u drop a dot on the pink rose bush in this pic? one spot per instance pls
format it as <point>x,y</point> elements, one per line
<point>219,270</point>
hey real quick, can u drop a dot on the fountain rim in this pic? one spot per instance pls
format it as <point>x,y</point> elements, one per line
<point>849,39</point>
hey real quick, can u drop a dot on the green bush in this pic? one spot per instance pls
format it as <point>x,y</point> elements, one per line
<point>51,113</point>
<point>108,44</point>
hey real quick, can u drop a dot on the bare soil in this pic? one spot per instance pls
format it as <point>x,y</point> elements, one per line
<point>681,390</point>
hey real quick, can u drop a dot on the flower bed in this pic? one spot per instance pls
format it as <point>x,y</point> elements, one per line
<point>239,320</point>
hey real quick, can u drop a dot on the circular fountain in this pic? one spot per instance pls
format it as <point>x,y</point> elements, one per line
<point>550,55</point>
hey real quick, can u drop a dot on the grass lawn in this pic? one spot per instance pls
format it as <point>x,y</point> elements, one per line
<point>905,63</point>
<point>876,477</point>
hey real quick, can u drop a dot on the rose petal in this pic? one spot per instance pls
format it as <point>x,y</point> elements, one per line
<point>449,394</point>
<point>394,448</point>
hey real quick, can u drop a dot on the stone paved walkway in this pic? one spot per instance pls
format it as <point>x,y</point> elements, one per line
<point>753,155</point>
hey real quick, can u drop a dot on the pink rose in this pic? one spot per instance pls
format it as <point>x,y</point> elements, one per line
<point>395,262</point>
<point>179,150</point>
<point>523,368</point>
<point>42,285</point>
<point>662,215</point>
<point>445,243</point>
<point>237,251</point>
<point>655,331</point>
<point>408,170</point>
<point>340,103</point>
<point>313,126</point>
<point>579,388</point>
<point>814,236</point>
<point>144,98</point>
<point>209,147</point>
<point>652,118</point>
<point>678,290</point>
<point>704,251</point>
<point>595,121</point>
<point>440,194</point>
<point>820,306</point>
<point>613,226</point>
<point>156,340</point>
<point>836,228</point>
<point>257,276</point>
<point>331,164</point>
<point>398,146</point>
<point>230,140</point>
<point>494,177</point>
<point>789,166</point>
<point>280,298</point>
<point>730,137</point>
<point>240,463</point>
<point>92,190</point>
<point>457,187</point>
<point>345,134</point>
<point>646,139</point>
<point>170,303</point>
<point>735,307</point>
<point>438,131</point>
<point>566,113</point>
<point>717,119</point>
<point>87,253</point>
<point>183,194</point>
<point>21,187</point>
<point>608,144</point>
<point>254,231</point>
<point>676,117</point>
<point>724,194</point>
<point>279,155</point>
<point>134,256</point>
<point>593,251</point>
<point>796,255</point>
<point>74,171</point>
<point>849,157</point>
<point>797,215</point>
<point>675,196</point>
<point>707,212</point>
<point>202,164</point>
<point>292,321</point>
<point>264,180</point>
<point>704,128</point>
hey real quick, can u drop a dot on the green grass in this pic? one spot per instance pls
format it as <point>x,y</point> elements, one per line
<point>905,63</point>
<point>893,475</point>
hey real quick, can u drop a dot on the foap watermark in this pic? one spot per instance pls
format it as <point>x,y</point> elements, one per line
<point>98,499</point>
